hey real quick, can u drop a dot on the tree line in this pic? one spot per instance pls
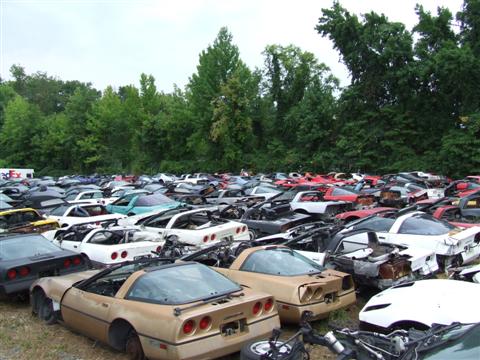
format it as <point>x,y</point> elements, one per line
<point>413,103</point>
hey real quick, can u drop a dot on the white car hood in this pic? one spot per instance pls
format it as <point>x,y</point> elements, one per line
<point>426,302</point>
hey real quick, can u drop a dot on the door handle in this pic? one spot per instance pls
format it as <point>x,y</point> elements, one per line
<point>105,305</point>
<point>382,237</point>
<point>75,246</point>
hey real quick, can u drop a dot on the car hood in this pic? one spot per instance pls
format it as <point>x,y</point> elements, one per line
<point>426,301</point>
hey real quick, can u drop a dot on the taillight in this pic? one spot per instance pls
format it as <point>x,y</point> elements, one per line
<point>124,254</point>
<point>188,327</point>
<point>238,230</point>
<point>205,322</point>
<point>268,305</point>
<point>159,248</point>
<point>67,263</point>
<point>213,237</point>
<point>77,261</point>
<point>244,229</point>
<point>11,274</point>
<point>257,308</point>
<point>24,271</point>
<point>114,255</point>
<point>205,238</point>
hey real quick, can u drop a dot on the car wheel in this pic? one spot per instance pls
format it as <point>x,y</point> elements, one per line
<point>45,310</point>
<point>133,347</point>
<point>258,349</point>
<point>253,234</point>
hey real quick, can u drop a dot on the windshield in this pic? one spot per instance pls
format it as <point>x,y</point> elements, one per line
<point>376,223</point>
<point>180,285</point>
<point>425,225</point>
<point>15,248</point>
<point>59,210</point>
<point>280,261</point>
<point>153,200</point>
<point>462,343</point>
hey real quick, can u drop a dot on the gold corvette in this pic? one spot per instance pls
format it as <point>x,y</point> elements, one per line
<point>157,310</point>
<point>297,283</point>
<point>25,220</point>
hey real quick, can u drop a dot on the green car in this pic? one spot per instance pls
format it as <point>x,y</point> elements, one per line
<point>134,204</point>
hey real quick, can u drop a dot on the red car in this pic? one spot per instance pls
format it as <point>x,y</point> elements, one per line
<point>341,194</point>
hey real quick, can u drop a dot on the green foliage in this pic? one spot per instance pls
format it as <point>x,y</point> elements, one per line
<point>413,104</point>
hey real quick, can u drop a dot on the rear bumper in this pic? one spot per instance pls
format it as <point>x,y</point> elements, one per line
<point>210,347</point>
<point>292,313</point>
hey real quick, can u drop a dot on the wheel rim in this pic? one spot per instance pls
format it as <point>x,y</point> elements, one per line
<point>263,347</point>
<point>252,234</point>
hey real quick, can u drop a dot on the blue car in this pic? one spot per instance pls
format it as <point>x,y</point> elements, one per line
<point>133,204</point>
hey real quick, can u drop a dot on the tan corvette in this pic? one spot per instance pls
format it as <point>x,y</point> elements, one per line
<point>297,283</point>
<point>156,310</point>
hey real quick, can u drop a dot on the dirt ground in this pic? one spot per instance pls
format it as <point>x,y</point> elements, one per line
<point>24,337</point>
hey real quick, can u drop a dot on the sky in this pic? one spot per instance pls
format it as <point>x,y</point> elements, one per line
<point>111,42</point>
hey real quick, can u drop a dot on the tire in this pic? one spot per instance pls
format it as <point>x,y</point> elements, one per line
<point>256,349</point>
<point>253,234</point>
<point>133,347</point>
<point>45,309</point>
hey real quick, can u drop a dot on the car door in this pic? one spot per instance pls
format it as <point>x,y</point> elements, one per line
<point>471,207</point>
<point>87,312</point>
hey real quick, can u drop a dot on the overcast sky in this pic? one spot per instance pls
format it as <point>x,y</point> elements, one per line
<point>111,42</point>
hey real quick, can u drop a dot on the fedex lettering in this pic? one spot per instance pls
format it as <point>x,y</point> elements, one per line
<point>10,174</point>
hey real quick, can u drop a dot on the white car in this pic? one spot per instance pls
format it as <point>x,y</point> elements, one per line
<point>312,202</point>
<point>87,196</point>
<point>452,245</point>
<point>193,227</point>
<point>110,245</point>
<point>67,215</point>
<point>421,304</point>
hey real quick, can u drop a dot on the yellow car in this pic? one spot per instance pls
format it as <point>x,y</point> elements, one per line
<point>25,220</point>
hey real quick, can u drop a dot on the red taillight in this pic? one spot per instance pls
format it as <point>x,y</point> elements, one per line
<point>67,263</point>
<point>11,274</point>
<point>124,254</point>
<point>24,271</point>
<point>159,248</point>
<point>114,255</point>
<point>188,327</point>
<point>205,238</point>
<point>268,305</point>
<point>213,237</point>
<point>238,230</point>
<point>257,307</point>
<point>76,260</point>
<point>205,322</point>
<point>244,229</point>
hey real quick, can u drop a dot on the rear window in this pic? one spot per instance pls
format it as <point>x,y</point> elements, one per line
<point>25,246</point>
<point>425,225</point>
<point>376,223</point>
<point>338,191</point>
<point>181,284</point>
<point>153,200</point>
<point>282,261</point>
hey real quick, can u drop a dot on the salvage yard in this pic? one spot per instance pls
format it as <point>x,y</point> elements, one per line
<point>23,336</point>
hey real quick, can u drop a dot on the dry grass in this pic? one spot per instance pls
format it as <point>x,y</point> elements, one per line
<point>24,337</point>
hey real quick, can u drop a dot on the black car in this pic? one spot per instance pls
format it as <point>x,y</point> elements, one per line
<point>25,258</point>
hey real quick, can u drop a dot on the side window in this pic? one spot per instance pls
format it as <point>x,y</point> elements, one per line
<point>473,204</point>
<point>71,197</point>
<point>86,196</point>
<point>124,201</point>
<point>30,216</point>
<point>97,195</point>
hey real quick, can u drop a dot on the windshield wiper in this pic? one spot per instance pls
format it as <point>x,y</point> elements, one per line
<point>177,311</point>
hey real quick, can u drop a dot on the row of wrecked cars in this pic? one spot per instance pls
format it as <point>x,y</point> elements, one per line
<point>206,266</point>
